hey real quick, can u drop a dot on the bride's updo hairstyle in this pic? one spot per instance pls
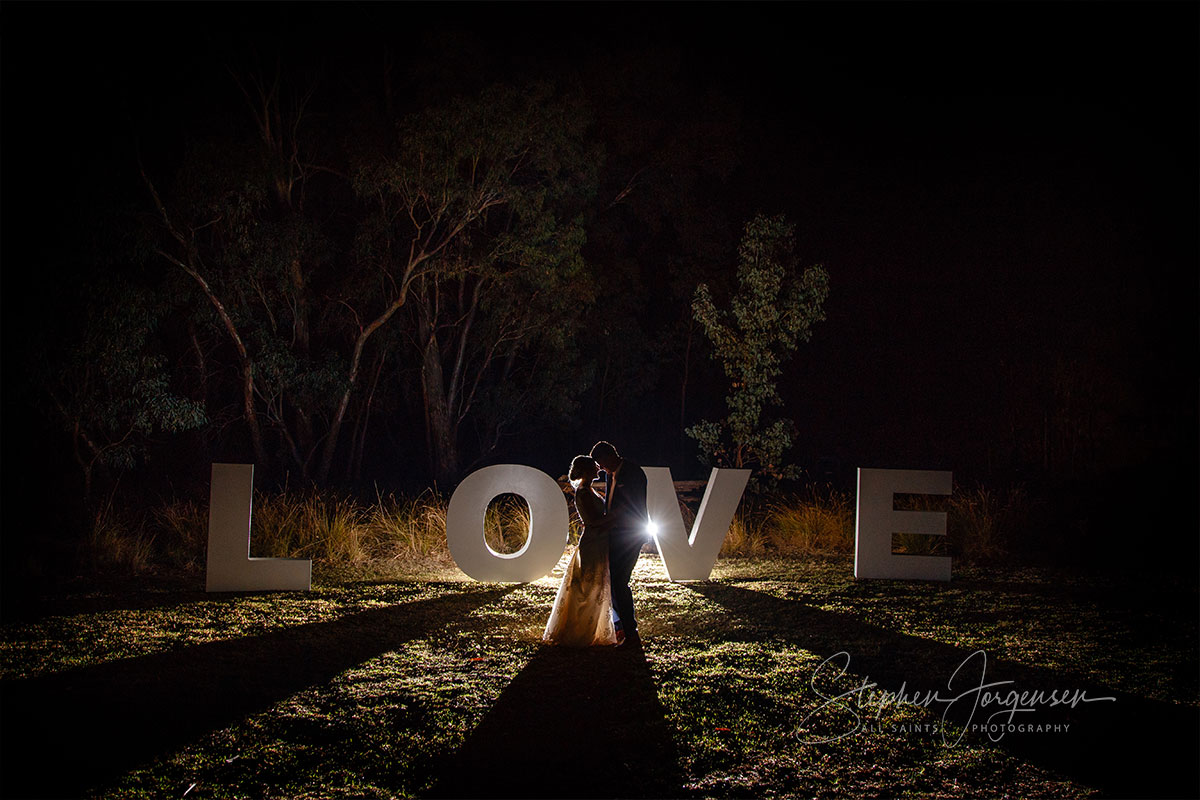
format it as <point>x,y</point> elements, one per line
<point>578,463</point>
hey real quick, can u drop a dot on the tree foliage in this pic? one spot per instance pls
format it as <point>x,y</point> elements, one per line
<point>342,275</point>
<point>772,310</point>
<point>235,225</point>
<point>315,279</point>
<point>112,389</point>
<point>480,201</point>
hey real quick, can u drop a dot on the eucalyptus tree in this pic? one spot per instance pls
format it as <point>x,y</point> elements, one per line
<point>774,307</point>
<point>241,222</point>
<point>476,221</point>
<point>300,258</point>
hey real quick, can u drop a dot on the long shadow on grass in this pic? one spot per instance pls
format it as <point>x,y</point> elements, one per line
<point>1132,747</point>
<point>66,733</point>
<point>573,723</point>
<point>61,603</point>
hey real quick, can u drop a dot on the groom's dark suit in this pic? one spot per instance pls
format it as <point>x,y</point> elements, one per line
<point>625,504</point>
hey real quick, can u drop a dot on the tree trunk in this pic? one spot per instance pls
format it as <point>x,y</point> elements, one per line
<point>335,426</point>
<point>251,415</point>
<point>358,441</point>
<point>191,267</point>
<point>439,431</point>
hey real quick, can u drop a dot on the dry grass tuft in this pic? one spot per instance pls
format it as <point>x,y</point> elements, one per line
<point>409,529</point>
<point>747,536</point>
<point>819,524</point>
<point>982,524</point>
<point>117,541</point>
<point>182,528</point>
<point>506,524</point>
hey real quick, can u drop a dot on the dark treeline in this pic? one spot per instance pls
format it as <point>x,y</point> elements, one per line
<point>382,268</point>
<point>365,250</point>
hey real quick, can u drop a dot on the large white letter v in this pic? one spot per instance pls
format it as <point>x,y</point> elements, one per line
<point>691,558</point>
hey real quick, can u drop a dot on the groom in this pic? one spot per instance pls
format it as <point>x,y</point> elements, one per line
<point>625,504</point>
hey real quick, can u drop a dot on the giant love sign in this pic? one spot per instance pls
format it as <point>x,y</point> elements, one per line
<point>687,556</point>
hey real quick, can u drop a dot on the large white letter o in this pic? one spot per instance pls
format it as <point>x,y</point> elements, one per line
<point>547,524</point>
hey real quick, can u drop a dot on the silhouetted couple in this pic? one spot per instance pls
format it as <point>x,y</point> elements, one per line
<point>594,604</point>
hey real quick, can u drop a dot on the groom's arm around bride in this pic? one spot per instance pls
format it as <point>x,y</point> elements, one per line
<point>625,504</point>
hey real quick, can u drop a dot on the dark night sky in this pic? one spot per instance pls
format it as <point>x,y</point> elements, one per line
<point>985,181</point>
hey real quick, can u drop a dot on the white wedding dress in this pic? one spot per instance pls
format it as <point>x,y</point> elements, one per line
<point>582,614</point>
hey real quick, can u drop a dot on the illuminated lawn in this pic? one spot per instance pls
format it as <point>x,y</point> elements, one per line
<point>441,687</point>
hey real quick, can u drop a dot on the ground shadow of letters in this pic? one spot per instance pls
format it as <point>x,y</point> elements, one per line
<point>1133,747</point>
<point>70,732</point>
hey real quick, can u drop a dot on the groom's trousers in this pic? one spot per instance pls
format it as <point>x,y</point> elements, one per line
<point>624,547</point>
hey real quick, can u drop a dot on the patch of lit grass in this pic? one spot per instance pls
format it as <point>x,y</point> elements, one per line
<point>1055,619</point>
<point>747,724</point>
<point>735,688</point>
<point>69,640</point>
<point>380,729</point>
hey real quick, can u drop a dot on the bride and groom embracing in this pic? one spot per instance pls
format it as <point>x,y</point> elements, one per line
<point>594,604</point>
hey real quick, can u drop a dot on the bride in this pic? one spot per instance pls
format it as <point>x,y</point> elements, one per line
<point>582,614</point>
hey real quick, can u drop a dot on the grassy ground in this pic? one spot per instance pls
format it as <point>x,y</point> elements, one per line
<point>440,687</point>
